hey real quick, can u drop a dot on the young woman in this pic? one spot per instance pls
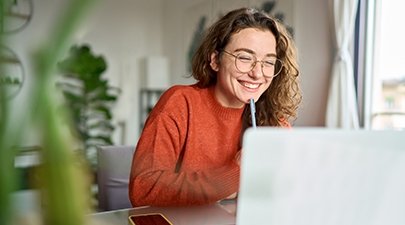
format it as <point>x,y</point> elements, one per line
<point>189,150</point>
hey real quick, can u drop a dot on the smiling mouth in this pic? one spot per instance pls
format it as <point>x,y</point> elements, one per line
<point>249,85</point>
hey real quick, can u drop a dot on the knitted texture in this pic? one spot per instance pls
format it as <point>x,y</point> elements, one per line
<point>186,153</point>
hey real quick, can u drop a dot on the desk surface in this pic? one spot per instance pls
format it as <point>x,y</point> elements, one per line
<point>216,214</point>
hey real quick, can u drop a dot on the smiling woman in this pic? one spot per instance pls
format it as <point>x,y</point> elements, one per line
<point>189,150</point>
<point>240,78</point>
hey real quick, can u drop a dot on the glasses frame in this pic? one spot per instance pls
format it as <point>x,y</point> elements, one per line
<point>254,64</point>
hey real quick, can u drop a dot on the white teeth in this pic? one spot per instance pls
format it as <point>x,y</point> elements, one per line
<point>250,85</point>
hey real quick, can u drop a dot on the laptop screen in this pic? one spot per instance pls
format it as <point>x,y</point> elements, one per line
<point>322,176</point>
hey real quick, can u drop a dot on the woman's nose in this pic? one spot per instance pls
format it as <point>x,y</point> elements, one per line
<point>256,71</point>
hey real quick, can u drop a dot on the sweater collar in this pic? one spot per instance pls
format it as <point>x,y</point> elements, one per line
<point>219,109</point>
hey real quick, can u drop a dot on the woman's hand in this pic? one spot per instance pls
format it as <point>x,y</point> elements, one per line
<point>232,196</point>
<point>237,157</point>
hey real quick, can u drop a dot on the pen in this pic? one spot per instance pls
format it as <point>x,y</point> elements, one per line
<point>253,112</point>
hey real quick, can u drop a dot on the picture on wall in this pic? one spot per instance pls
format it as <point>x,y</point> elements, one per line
<point>12,74</point>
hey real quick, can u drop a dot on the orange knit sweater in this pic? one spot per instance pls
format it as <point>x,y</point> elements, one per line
<point>186,153</point>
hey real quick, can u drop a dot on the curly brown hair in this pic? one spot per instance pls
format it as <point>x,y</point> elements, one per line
<point>279,103</point>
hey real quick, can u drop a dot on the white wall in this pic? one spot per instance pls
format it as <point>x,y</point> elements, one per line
<point>314,42</point>
<point>25,43</point>
<point>125,33</point>
<point>128,31</point>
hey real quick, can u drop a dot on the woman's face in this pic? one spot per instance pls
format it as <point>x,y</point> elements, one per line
<point>234,88</point>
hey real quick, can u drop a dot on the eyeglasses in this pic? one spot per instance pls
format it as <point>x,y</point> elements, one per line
<point>245,62</point>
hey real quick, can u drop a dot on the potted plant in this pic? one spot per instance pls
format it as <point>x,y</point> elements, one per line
<point>89,97</point>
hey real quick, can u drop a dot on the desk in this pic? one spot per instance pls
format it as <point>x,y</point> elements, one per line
<point>216,214</point>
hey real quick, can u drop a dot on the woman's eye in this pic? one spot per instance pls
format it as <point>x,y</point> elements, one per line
<point>269,62</point>
<point>245,58</point>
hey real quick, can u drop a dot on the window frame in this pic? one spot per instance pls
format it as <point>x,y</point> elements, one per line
<point>364,59</point>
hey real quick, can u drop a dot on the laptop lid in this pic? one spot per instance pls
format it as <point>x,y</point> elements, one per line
<point>321,176</point>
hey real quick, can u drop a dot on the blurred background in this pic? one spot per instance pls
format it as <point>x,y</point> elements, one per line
<point>136,49</point>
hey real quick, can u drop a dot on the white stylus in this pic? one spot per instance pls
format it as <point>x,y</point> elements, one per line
<point>253,112</point>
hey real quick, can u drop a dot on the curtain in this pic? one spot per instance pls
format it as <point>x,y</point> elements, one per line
<point>342,109</point>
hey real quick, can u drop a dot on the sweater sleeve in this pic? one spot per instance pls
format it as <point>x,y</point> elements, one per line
<point>155,180</point>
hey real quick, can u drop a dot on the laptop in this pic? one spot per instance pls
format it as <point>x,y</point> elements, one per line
<point>319,176</point>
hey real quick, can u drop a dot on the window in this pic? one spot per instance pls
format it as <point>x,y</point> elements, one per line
<point>381,45</point>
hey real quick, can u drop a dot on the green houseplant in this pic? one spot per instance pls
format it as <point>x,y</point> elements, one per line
<point>63,179</point>
<point>89,97</point>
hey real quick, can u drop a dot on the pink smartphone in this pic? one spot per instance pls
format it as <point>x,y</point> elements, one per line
<point>149,219</point>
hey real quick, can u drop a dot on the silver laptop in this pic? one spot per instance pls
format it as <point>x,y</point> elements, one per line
<point>319,176</point>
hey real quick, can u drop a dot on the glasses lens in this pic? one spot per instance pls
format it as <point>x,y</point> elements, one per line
<point>271,66</point>
<point>244,62</point>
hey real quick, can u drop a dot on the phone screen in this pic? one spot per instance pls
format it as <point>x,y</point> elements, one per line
<point>149,219</point>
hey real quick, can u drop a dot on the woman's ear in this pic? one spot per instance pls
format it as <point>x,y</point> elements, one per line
<point>214,63</point>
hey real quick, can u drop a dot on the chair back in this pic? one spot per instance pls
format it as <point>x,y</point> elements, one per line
<point>113,170</point>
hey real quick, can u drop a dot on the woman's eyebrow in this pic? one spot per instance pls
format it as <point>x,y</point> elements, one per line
<point>245,50</point>
<point>253,52</point>
<point>272,54</point>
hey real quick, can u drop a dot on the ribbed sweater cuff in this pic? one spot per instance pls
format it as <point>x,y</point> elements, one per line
<point>228,181</point>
